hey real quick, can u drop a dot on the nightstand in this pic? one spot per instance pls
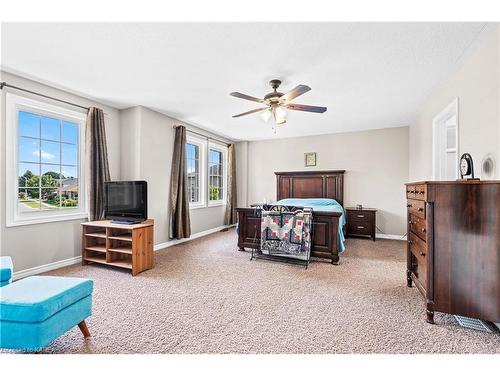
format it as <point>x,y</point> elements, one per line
<point>361,222</point>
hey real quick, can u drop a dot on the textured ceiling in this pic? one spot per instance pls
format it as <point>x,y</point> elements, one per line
<point>369,75</point>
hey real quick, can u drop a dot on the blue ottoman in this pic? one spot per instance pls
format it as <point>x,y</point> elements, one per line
<point>6,268</point>
<point>36,310</point>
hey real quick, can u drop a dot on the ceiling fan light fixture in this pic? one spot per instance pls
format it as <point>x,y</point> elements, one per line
<point>266,115</point>
<point>280,115</point>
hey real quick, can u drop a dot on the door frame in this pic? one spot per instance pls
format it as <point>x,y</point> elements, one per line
<point>449,111</point>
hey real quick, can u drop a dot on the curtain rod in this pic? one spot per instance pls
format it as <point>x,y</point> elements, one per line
<point>203,135</point>
<point>5,84</point>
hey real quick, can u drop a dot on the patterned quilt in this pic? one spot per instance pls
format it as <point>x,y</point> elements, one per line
<point>286,233</point>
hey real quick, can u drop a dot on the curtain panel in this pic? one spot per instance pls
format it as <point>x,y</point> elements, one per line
<point>180,224</point>
<point>96,162</point>
<point>230,214</point>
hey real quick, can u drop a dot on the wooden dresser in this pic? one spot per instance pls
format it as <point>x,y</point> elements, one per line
<point>453,252</point>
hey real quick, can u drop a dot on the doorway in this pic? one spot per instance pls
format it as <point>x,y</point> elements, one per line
<point>445,143</point>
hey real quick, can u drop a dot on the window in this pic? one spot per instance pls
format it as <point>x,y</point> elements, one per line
<point>215,186</point>
<point>217,164</point>
<point>206,164</point>
<point>44,162</point>
<point>445,143</point>
<point>194,164</point>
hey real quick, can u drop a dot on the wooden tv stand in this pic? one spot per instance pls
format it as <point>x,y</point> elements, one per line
<point>118,245</point>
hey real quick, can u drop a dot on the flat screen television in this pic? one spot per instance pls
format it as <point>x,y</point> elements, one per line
<point>126,201</point>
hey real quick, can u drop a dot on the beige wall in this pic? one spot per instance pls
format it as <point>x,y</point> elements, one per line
<point>476,84</point>
<point>376,164</point>
<point>147,142</point>
<point>39,244</point>
<point>241,149</point>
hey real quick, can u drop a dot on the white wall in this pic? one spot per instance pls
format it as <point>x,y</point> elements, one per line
<point>147,142</point>
<point>376,164</point>
<point>476,83</point>
<point>39,244</point>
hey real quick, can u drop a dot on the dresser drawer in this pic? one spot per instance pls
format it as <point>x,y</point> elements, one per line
<point>359,228</point>
<point>361,218</point>
<point>410,191</point>
<point>420,192</point>
<point>418,247</point>
<point>419,271</point>
<point>416,207</point>
<point>418,226</point>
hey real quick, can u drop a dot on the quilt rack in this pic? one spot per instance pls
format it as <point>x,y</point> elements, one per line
<point>274,245</point>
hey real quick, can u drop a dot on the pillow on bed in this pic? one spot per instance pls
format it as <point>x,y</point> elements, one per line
<point>308,201</point>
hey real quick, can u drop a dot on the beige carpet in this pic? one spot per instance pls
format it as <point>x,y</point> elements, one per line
<point>206,297</point>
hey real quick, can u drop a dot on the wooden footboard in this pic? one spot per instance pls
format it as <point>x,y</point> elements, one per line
<point>325,238</point>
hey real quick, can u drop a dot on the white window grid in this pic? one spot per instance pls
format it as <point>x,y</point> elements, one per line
<point>39,163</point>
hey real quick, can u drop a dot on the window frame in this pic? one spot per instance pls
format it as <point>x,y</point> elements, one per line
<point>201,143</point>
<point>223,149</point>
<point>15,104</point>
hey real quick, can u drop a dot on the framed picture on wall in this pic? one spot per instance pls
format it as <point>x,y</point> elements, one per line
<point>310,158</point>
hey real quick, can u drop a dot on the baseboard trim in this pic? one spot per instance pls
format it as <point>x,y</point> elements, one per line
<point>194,236</point>
<point>46,267</point>
<point>391,236</point>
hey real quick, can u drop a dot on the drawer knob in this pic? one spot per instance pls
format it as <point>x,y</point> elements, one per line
<point>422,254</point>
<point>361,215</point>
<point>424,230</point>
<point>410,242</point>
<point>420,209</point>
<point>360,227</point>
<point>410,222</point>
<point>408,205</point>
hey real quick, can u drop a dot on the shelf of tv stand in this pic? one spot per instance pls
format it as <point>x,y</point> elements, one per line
<point>122,250</point>
<point>119,245</point>
<point>122,237</point>
<point>117,263</point>
<point>96,234</point>
<point>120,264</point>
<point>99,248</point>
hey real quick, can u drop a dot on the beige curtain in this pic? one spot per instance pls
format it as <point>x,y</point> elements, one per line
<point>97,168</point>
<point>230,216</point>
<point>180,225</point>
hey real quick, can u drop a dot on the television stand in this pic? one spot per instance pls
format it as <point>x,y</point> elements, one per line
<point>127,246</point>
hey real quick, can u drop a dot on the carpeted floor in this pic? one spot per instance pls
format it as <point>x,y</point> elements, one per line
<point>204,296</point>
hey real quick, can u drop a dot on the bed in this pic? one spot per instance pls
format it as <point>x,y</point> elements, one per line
<point>323,191</point>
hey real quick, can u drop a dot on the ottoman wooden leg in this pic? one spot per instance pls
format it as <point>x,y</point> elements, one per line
<point>83,327</point>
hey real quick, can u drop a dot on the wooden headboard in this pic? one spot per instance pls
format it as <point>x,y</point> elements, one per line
<point>311,184</point>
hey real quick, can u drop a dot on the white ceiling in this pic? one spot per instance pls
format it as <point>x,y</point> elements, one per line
<point>369,75</point>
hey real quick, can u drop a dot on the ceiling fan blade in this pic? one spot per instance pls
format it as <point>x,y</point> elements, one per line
<point>306,108</point>
<point>250,112</point>
<point>247,97</point>
<point>292,94</point>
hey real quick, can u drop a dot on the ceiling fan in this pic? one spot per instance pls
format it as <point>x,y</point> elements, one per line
<point>277,103</point>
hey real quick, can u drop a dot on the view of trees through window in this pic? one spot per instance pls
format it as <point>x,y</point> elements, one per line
<point>47,163</point>
<point>193,172</point>
<point>215,175</point>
